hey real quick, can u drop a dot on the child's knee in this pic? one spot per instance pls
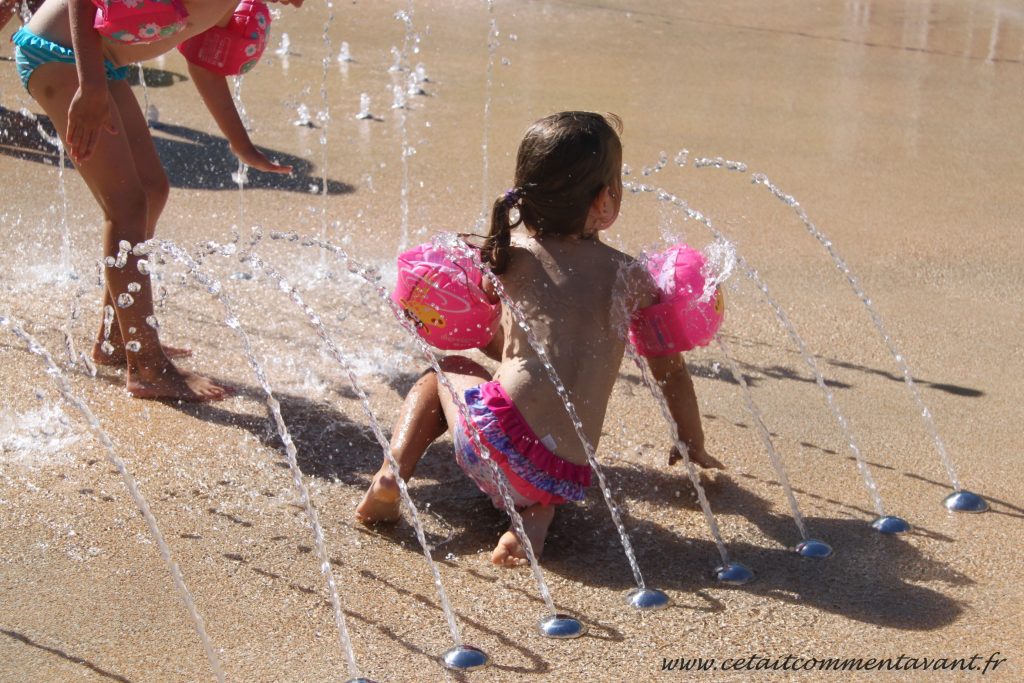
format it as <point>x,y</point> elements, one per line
<point>462,366</point>
<point>127,217</point>
<point>157,192</point>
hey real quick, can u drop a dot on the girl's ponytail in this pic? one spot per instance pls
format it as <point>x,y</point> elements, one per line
<point>563,163</point>
<point>495,250</point>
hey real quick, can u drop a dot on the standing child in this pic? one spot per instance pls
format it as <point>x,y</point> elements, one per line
<point>78,77</point>
<point>576,294</point>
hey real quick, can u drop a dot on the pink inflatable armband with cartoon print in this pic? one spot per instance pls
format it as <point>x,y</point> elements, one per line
<point>679,321</point>
<point>233,49</point>
<point>139,21</point>
<point>444,298</point>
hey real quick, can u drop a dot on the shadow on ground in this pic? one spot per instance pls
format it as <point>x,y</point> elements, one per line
<point>192,159</point>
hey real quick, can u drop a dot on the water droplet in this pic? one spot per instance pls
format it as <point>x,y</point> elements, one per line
<point>124,300</point>
<point>107,348</point>
<point>133,346</point>
<point>344,55</point>
<point>152,322</point>
<point>303,117</point>
<point>134,287</point>
<point>282,49</point>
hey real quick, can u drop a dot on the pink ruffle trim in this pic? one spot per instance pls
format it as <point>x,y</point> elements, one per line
<point>525,440</point>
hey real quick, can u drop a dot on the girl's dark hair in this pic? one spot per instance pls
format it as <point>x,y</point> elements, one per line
<point>564,161</point>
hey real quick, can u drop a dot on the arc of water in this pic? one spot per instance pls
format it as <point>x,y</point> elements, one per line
<point>324,118</point>
<point>241,176</point>
<point>130,483</point>
<point>407,151</point>
<point>457,248</point>
<point>69,341</point>
<point>492,47</point>
<point>146,111</point>
<point>812,229</point>
<point>74,312</point>
<point>794,336</point>
<point>901,363</point>
<point>213,286</point>
<point>661,163</point>
<point>67,266</point>
<point>719,162</point>
<point>499,477</point>
<point>385,445</point>
<point>691,470</point>
<point>765,435</point>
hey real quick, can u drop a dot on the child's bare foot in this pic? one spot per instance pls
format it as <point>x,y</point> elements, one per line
<point>172,383</point>
<point>117,357</point>
<point>510,551</point>
<point>699,458</point>
<point>381,502</point>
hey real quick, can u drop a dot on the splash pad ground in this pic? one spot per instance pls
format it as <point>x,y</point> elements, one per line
<point>895,126</point>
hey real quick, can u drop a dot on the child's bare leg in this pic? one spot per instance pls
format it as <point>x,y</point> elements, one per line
<point>426,414</point>
<point>536,520</point>
<point>122,177</point>
<point>698,456</point>
<point>419,423</point>
<point>157,189</point>
<point>111,340</point>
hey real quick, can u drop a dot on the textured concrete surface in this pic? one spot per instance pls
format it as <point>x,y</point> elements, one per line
<point>894,125</point>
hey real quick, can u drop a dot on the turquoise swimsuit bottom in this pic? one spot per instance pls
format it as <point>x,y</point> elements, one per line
<point>30,51</point>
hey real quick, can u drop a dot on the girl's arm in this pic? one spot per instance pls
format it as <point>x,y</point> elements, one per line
<point>674,379</point>
<point>90,111</point>
<point>216,94</point>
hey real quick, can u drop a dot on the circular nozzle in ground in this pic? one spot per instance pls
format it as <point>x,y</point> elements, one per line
<point>891,524</point>
<point>965,501</point>
<point>647,599</point>
<point>562,627</point>
<point>465,658</point>
<point>733,574</point>
<point>812,547</point>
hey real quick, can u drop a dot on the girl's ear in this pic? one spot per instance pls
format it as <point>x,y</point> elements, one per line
<point>605,208</point>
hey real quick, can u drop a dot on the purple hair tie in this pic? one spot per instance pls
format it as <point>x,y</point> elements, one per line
<point>512,197</point>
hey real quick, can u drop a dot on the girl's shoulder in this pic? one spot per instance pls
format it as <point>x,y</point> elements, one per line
<point>632,280</point>
<point>619,256</point>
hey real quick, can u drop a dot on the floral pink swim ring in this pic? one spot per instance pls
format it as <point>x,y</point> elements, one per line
<point>233,49</point>
<point>444,298</point>
<point>139,21</point>
<point>680,320</point>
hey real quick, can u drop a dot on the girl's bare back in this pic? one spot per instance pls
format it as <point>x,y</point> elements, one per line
<point>570,289</point>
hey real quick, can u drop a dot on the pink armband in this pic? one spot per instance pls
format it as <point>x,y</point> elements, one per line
<point>679,321</point>
<point>233,49</point>
<point>139,21</point>
<point>444,298</point>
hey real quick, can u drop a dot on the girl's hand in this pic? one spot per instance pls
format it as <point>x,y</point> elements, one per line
<point>89,115</point>
<point>254,158</point>
<point>698,456</point>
